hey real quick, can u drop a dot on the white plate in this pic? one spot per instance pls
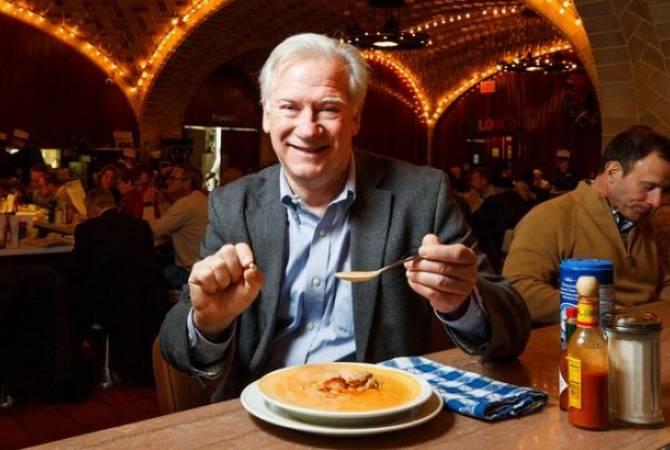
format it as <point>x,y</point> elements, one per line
<point>254,404</point>
<point>345,418</point>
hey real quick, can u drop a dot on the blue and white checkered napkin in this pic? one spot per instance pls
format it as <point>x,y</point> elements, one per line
<point>473,394</point>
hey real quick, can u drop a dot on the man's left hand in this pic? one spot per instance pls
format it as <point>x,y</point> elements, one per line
<point>445,275</point>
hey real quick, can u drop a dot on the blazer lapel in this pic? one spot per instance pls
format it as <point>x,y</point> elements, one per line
<point>369,217</point>
<point>267,230</point>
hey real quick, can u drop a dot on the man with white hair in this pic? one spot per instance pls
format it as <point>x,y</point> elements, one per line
<point>275,240</point>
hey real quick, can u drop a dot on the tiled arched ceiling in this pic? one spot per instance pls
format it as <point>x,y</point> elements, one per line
<point>242,32</point>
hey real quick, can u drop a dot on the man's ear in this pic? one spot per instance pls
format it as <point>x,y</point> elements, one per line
<point>266,118</point>
<point>613,171</point>
<point>357,122</point>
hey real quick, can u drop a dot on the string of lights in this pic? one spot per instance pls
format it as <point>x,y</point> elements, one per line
<point>71,36</point>
<point>400,96</point>
<point>406,77</point>
<point>119,73</point>
<point>448,98</point>
<point>564,7</point>
<point>180,27</point>
<point>421,104</point>
<point>138,81</point>
<point>498,11</point>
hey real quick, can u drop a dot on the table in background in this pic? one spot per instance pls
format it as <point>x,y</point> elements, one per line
<point>65,228</point>
<point>35,251</point>
<point>56,257</point>
<point>228,425</point>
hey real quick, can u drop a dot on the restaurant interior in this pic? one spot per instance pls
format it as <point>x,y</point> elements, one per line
<point>455,84</point>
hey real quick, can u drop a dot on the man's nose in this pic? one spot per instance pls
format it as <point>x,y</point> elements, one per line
<point>308,124</point>
<point>654,197</point>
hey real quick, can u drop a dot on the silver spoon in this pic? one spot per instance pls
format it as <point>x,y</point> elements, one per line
<point>358,276</point>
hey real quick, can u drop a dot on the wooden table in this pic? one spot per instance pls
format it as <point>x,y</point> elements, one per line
<point>32,251</point>
<point>64,228</point>
<point>227,425</point>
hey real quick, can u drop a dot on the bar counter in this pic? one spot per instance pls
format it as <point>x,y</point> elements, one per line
<point>227,425</point>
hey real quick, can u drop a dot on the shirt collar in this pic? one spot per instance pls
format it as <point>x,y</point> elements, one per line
<point>291,199</point>
<point>623,223</point>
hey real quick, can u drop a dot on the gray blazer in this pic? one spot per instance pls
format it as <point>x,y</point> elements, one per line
<point>396,205</point>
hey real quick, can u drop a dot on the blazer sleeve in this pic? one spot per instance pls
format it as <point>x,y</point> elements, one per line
<point>508,317</point>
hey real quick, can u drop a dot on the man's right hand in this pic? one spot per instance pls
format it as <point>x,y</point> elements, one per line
<point>222,286</point>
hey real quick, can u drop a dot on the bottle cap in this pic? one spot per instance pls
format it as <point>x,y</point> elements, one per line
<point>571,312</point>
<point>635,323</point>
<point>587,286</point>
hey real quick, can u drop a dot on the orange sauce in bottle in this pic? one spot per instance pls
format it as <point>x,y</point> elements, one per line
<point>587,363</point>
<point>594,414</point>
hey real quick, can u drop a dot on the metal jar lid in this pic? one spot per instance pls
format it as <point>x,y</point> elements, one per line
<point>637,323</point>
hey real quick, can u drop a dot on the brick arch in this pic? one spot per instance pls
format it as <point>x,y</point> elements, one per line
<point>624,45</point>
<point>631,47</point>
<point>210,45</point>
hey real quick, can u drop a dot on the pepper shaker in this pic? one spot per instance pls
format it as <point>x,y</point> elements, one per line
<point>633,342</point>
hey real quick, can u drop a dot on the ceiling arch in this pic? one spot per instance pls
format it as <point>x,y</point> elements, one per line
<point>127,40</point>
<point>160,51</point>
<point>461,48</point>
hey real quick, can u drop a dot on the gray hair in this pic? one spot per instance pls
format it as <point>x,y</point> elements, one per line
<point>100,199</point>
<point>316,46</point>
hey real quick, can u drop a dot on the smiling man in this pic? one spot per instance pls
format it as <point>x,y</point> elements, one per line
<point>264,294</point>
<point>608,219</point>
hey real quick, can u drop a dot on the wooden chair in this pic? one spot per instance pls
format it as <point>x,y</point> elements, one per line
<point>177,390</point>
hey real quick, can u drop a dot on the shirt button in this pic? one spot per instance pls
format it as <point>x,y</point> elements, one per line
<point>310,326</point>
<point>316,282</point>
<point>322,233</point>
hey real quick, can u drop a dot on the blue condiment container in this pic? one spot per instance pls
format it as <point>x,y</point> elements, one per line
<point>571,270</point>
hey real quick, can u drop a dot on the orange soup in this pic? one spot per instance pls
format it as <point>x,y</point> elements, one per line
<point>303,386</point>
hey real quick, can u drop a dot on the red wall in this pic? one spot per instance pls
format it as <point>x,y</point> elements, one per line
<point>542,109</point>
<point>54,92</point>
<point>227,98</point>
<point>389,125</point>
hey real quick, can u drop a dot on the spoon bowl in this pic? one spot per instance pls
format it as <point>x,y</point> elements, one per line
<point>360,276</point>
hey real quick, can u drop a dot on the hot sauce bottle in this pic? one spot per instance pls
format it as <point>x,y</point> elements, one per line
<point>587,362</point>
<point>570,326</point>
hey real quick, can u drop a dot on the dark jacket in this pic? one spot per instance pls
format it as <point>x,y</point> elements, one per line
<point>497,214</point>
<point>120,285</point>
<point>396,205</point>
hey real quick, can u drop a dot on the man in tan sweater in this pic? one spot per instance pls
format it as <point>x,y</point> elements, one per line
<point>606,219</point>
<point>185,222</point>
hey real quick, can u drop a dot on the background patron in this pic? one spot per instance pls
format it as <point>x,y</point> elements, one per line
<point>184,221</point>
<point>606,219</point>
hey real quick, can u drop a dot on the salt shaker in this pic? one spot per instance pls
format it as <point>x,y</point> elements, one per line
<point>633,343</point>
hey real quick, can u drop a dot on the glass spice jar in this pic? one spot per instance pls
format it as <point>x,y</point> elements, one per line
<point>633,342</point>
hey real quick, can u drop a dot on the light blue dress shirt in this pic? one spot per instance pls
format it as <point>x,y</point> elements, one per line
<point>315,313</point>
